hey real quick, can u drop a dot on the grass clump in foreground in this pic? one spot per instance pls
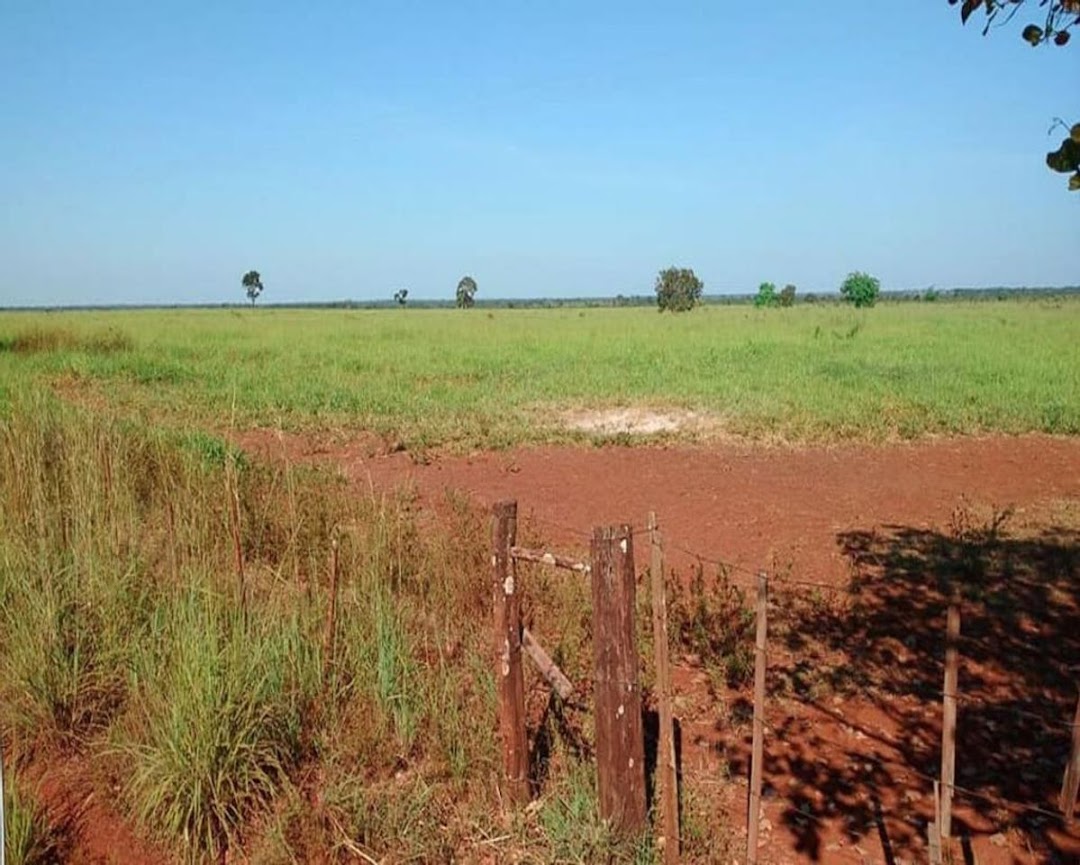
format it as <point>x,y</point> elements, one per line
<point>470,379</point>
<point>28,837</point>
<point>127,638</point>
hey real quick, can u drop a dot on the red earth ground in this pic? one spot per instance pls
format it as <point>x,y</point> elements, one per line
<point>853,719</point>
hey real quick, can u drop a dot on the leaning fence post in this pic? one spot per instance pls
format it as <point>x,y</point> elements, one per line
<point>753,814</point>
<point>508,673</point>
<point>665,747</point>
<point>1070,786</point>
<point>620,744</point>
<point>948,721</point>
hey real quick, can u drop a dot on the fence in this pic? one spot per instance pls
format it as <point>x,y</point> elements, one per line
<point>617,691</point>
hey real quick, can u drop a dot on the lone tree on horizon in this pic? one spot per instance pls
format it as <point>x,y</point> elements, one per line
<point>253,285</point>
<point>466,289</point>
<point>678,289</point>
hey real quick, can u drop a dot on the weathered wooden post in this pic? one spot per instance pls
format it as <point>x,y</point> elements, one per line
<point>506,594</point>
<point>665,748</point>
<point>753,811</point>
<point>620,744</point>
<point>1070,786</point>
<point>948,721</point>
<point>933,829</point>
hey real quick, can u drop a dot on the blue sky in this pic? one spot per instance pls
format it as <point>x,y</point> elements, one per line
<point>153,152</point>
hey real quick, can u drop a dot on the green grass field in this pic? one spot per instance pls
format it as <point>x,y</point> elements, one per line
<point>482,378</point>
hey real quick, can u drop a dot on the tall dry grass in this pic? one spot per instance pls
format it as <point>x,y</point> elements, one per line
<point>127,636</point>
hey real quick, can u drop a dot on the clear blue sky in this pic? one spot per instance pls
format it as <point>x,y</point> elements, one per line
<point>154,151</point>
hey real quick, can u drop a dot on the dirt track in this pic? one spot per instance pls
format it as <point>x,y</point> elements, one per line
<point>772,508</point>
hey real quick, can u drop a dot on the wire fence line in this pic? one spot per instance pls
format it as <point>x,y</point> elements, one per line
<point>729,568</point>
<point>748,579</point>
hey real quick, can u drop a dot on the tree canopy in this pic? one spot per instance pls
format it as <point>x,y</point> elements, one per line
<point>253,285</point>
<point>678,289</point>
<point>1056,19</point>
<point>466,290</point>
<point>860,289</point>
<point>766,296</point>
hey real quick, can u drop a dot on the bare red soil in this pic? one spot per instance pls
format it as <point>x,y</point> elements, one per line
<point>772,508</point>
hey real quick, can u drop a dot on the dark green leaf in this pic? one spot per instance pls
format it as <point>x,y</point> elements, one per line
<point>1074,182</point>
<point>1033,34</point>
<point>1066,158</point>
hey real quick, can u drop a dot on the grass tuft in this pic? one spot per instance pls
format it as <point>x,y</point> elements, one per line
<point>28,837</point>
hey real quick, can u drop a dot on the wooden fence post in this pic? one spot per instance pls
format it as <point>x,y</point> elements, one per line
<point>506,594</point>
<point>933,829</point>
<point>948,722</point>
<point>753,814</point>
<point>1070,786</point>
<point>665,747</point>
<point>620,744</point>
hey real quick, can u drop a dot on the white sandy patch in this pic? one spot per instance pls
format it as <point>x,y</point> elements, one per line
<point>634,421</point>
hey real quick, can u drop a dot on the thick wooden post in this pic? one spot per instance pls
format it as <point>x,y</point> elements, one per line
<point>509,676</point>
<point>665,747</point>
<point>620,743</point>
<point>948,720</point>
<point>1070,786</point>
<point>753,813</point>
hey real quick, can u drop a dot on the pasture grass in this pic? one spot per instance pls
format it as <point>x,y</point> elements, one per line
<point>493,378</point>
<point>211,705</point>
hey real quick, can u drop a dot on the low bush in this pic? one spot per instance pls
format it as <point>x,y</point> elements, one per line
<point>711,619</point>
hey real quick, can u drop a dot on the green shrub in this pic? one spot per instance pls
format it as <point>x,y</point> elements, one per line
<point>766,296</point>
<point>860,289</point>
<point>787,296</point>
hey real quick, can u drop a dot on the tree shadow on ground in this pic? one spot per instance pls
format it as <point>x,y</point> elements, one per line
<point>884,648</point>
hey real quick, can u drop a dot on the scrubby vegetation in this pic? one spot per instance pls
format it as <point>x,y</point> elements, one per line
<point>128,637</point>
